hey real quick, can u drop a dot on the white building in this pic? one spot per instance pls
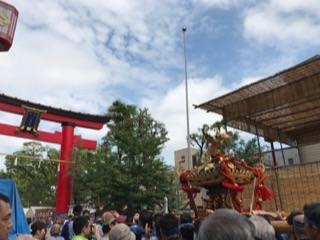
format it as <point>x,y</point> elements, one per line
<point>180,159</point>
<point>181,164</point>
<point>291,156</point>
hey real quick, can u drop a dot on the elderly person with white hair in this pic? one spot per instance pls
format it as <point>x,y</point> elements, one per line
<point>225,224</point>
<point>121,232</point>
<point>263,229</point>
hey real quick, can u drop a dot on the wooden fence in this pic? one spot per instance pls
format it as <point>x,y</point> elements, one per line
<point>294,185</point>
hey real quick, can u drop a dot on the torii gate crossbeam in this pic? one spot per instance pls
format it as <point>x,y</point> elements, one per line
<point>32,113</point>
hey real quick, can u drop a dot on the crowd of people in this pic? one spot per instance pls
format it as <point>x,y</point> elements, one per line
<point>221,224</point>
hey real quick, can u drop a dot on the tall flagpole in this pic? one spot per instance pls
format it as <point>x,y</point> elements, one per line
<point>184,29</point>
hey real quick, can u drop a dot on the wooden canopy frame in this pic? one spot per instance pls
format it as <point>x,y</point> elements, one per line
<point>284,107</point>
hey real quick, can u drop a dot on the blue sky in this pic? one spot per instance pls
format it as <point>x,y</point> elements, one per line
<point>82,55</point>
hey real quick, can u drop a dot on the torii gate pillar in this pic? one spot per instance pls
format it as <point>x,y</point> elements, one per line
<point>32,113</point>
<point>64,180</point>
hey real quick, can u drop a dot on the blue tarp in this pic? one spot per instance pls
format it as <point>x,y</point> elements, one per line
<point>19,221</point>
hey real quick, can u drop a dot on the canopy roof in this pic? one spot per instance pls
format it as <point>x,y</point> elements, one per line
<point>284,107</point>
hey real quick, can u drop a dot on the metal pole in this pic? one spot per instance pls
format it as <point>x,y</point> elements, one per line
<point>283,158</point>
<point>189,165</point>
<point>273,154</point>
<point>258,141</point>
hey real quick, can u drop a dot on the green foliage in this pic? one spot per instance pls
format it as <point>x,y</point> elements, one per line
<point>176,198</point>
<point>135,141</point>
<point>248,151</point>
<point>3,174</point>
<point>198,140</point>
<point>126,170</point>
<point>235,145</point>
<point>33,177</point>
<point>92,177</point>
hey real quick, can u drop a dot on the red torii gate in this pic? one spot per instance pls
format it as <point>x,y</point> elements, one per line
<point>32,112</point>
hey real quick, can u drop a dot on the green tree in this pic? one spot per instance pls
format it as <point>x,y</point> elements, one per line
<point>198,140</point>
<point>248,151</point>
<point>176,197</point>
<point>126,169</point>
<point>93,177</point>
<point>34,176</point>
<point>241,149</point>
<point>135,141</point>
<point>3,174</point>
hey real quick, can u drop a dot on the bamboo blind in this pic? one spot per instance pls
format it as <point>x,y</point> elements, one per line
<point>294,185</point>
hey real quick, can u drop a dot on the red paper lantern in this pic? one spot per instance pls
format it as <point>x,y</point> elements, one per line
<point>8,21</point>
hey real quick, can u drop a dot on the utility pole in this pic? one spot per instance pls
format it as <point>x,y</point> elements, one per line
<point>189,165</point>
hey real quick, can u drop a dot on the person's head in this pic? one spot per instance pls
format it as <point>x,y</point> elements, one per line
<point>169,226</point>
<point>108,219</point>
<point>86,212</point>
<point>186,231</point>
<point>292,215</point>
<point>55,230</point>
<point>298,227</point>
<point>136,217</point>
<point>77,210</point>
<point>119,218</point>
<point>146,217</point>
<point>312,220</point>
<point>185,218</point>
<point>137,230</point>
<point>98,220</point>
<point>226,224</point>
<point>81,226</point>
<point>60,219</point>
<point>186,227</point>
<point>121,232</point>
<point>5,217</point>
<point>39,230</point>
<point>263,229</point>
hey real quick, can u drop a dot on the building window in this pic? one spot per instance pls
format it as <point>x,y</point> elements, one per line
<point>290,161</point>
<point>182,159</point>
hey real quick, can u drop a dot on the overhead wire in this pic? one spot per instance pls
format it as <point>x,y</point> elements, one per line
<point>35,158</point>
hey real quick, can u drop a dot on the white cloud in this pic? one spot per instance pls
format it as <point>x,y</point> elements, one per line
<point>82,55</point>
<point>310,6</point>
<point>246,81</point>
<point>283,24</point>
<point>224,3</point>
<point>69,54</point>
<point>51,71</point>
<point>171,110</point>
<point>127,27</point>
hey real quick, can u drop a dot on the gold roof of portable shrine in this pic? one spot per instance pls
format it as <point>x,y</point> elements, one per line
<point>284,107</point>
